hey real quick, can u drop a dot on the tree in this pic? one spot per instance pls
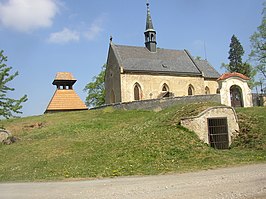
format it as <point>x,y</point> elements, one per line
<point>8,106</point>
<point>235,55</point>
<point>258,45</point>
<point>96,89</point>
<point>235,59</point>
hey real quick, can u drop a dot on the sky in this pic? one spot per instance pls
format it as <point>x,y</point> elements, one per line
<point>43,37</point>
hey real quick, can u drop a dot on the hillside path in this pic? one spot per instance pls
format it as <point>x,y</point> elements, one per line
<point>247,182</point>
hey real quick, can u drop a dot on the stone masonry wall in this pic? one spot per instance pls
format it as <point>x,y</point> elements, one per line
<point>199,124</point>
<point>159,104</point>
<point>151,85</point>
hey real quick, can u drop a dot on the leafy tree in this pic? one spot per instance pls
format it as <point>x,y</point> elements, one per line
<point>258,45</point>
<point>8,106</point>
<point>235,59</point>
<point>96,89</point>
<point>198,58</point>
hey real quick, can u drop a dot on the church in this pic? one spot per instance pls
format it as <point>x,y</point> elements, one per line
<point>141,73</point>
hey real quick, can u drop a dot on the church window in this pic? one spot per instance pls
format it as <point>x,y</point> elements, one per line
<point>190,90</point>
<point>165,87</point>
<point>207,90</point>
<point>137,92</point>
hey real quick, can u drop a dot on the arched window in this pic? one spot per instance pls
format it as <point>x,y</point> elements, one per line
<point>165,87</point>
<point>137,92</point>
<point>147,38</point>
<point>217,91</point>
<point>190,90</point>
<point>152,37</point>
<point>207,90</point>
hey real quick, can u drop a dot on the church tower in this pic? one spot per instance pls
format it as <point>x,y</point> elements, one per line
<point>150,33</point>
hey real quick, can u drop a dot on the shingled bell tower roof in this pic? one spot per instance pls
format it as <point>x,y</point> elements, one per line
<point>63,78</point>
<point>65,98</point>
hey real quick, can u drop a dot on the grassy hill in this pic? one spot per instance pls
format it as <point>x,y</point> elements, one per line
<point>108,142</point>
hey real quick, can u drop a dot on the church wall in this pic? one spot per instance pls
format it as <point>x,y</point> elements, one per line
<point>212,85</point>
<point>151,85</point>
<point>112,79</point>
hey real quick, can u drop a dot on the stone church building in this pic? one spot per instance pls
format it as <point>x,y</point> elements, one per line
<point>148,72</point>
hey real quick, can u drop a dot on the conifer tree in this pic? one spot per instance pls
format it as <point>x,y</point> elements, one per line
<point>8,106</point>
<point>235,60</point>
<point>235,55</point>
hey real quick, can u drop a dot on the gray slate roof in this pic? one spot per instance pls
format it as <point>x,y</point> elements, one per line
<point>207,69</point>
<point>140,59</point>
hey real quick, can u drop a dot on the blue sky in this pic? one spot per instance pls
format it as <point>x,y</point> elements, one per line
<point>42,37</point>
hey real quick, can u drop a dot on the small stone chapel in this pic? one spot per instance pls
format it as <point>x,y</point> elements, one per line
<point>140,73</point>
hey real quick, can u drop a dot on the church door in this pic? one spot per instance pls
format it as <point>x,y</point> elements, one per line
<point>236,96</point>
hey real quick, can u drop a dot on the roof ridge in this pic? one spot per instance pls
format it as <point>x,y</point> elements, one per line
<point>193,61</point>
<point>143,47</point>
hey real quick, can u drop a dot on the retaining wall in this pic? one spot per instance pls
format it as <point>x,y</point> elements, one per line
<point>160,104</point>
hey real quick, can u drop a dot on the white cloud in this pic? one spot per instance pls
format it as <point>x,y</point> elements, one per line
<point>95,29</point>
<point>64,36</point>
<point>28,15</point>
<point>69,35</point>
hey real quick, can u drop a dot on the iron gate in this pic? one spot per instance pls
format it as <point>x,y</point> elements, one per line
<point>218,133</point>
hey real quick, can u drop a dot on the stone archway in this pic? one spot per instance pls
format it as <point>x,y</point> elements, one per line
<point>236,96</point>
<point>234,90</point>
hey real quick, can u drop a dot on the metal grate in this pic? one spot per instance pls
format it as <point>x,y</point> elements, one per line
<point>218,133</point>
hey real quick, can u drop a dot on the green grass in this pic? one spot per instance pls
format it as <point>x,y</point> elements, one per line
<point>108,142</point>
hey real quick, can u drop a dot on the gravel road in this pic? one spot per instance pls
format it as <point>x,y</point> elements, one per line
<point>247,182</point>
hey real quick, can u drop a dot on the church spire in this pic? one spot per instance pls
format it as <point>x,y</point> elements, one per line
<point>150,33</point>
<point>149,25</point>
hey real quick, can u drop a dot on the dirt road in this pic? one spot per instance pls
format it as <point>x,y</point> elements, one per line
<point>247,182</point>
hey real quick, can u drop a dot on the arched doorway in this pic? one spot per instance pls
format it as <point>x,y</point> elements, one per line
<point>236,96</point>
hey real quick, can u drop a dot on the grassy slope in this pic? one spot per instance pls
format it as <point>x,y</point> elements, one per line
<point>109,142</point>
